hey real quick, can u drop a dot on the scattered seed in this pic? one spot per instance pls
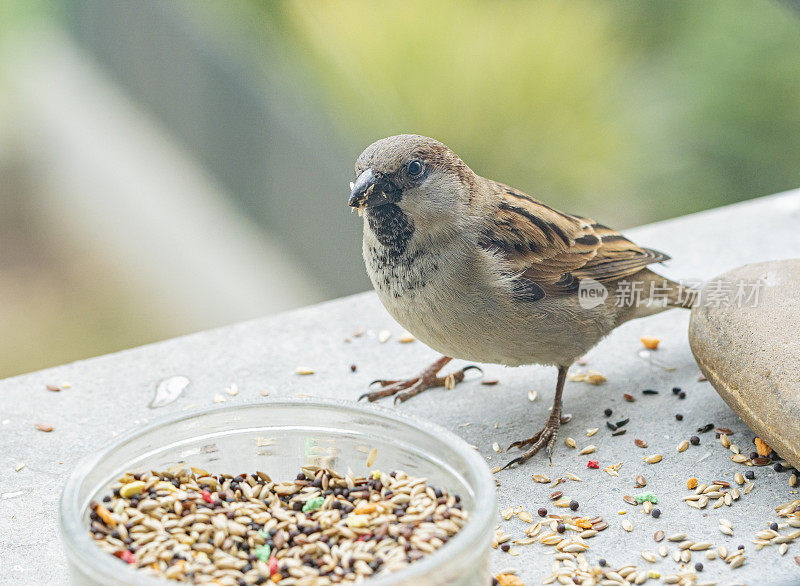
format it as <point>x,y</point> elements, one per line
<point>628,397</point>
<point>611,426</point>
<point>46,427</point>
<point>630,500</point>
<point>591,432</point>
<point>705,428</point>
<point>588,450</point>
<point>679,417</point>
<point>532,396</point>
<point>406,339</point>
<point>641,481</point>
<point>623,422</point>
<point>53,388</point>
<point>627,526</point>
<point>658,536</point>
<point>649,392</point>
<point>653,459</point>
<point>373,455</point>
<point>640,442</point>
<point>683,446</point>
<point>570,442</point>
<point>607,412</point>
<point>304,370</point>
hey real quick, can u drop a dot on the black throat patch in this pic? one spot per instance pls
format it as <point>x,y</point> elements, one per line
<point>391,227</point>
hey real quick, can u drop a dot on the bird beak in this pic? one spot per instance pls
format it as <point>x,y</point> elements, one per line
<point>366,191</point>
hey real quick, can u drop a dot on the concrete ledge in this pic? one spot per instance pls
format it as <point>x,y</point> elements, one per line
<point>110,394</point>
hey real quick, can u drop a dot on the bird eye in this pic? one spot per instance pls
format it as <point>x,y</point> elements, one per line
<point>415,168</point>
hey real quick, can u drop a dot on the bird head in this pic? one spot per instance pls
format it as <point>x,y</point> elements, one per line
<point>419,175</point>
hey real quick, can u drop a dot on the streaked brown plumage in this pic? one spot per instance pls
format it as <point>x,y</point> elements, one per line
<point>481,271</point>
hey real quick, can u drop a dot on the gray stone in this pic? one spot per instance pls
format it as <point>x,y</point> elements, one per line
<point>749,348</point>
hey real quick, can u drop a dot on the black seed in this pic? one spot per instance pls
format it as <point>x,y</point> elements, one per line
<point>561,528</point>
<point>611,426</point>
<point>573,505</point>
<point>679,417</point>
<point>542,512</point>
<point>607,412</point>
<point>750,475</point>
<point>740,547</point>
<point>773,526</point>
<point>705,428</point>
<point>602,562</point>
<point>698,566</point>
<point>623,422</point>
<point>656,513</point>
<point>694,440</point>
<point>753,455</point>
<point>676,390</point>
<point>505,547</point>
<point>778,467</point>
<point>619,431</point>
<point>649,392</point>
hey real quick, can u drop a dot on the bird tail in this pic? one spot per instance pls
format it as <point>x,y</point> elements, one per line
<point>681,296</point>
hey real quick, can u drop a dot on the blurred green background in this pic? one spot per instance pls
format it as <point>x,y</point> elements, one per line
<point>173,166</point>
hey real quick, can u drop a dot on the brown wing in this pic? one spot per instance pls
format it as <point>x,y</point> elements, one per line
<point>555,250</point>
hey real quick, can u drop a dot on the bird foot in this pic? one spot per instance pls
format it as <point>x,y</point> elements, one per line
<point>403,390</point>
<point>545,437</point>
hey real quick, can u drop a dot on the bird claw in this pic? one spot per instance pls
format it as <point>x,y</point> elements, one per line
<point>383,383</point>
<point>472,367</point>
<point>545,438</point>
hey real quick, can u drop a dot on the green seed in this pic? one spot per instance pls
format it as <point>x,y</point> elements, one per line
<point>646,496</point>
<point>262,552</point>
<point>313,504</point>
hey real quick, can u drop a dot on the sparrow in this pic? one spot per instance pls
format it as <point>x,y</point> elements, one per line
<point>483,272</point>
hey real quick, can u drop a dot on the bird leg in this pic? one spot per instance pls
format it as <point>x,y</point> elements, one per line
<point>427,379</point>
<point>549,433</point>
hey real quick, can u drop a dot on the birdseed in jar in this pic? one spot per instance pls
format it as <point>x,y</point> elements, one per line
<point>322,527</point>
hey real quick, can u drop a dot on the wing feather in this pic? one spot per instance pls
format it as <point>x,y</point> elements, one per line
<point>554,249</point>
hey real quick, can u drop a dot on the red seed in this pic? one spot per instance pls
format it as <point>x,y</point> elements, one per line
<point>593,464</point>
<point>53,388</point>
<point>206,496</point>
<point>628,397</point>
